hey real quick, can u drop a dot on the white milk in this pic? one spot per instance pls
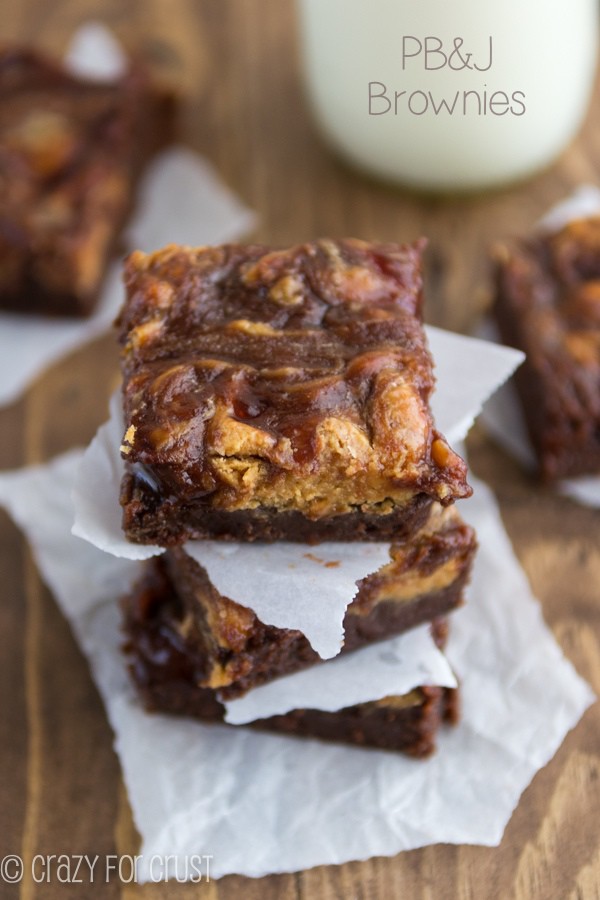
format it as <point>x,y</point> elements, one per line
<point>510,80</point>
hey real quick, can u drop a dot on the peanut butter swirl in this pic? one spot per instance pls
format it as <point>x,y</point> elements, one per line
<point>293,380</point>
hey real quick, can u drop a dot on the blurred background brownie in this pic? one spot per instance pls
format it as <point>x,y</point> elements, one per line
<point>548,305</point>
<point>71,151</point>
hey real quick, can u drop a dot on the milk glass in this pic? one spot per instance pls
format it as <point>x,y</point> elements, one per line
<point>448,95</point>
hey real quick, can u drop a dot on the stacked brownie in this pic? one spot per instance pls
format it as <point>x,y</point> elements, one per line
<point>71,151</point>
<point>284,396</point>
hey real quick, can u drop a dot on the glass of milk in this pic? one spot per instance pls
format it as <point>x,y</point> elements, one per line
<point>447,95</point>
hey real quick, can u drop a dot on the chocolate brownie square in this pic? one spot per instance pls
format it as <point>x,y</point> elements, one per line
<point>70,153</point>
<point>279,395</point>
<point>548,305</point>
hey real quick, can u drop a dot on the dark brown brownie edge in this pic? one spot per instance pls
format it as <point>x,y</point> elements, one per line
<point>412,729</point>
<point>150,518</point>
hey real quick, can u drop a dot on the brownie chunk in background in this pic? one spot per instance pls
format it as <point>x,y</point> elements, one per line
<point>71,151</point>
<point>548,305</point>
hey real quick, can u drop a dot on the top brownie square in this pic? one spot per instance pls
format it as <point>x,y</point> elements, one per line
<point>548,304</point>
<point>279,395</point>
<point>70,151</point>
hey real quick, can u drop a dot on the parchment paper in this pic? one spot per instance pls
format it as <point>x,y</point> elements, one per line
<point>393,667</point>
<point>263,803</point>
<point>293,587</point>
<point>502,415</point>
<point>181,199</point>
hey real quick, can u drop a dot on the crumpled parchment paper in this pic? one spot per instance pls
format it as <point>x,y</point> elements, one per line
<point>260,803</point>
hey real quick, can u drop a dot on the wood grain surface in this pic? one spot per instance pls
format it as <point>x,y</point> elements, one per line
<point>60,786</point>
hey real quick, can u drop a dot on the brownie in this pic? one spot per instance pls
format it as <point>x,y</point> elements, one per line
<point>231,651</point>
<point>548,305</point>
<point>279,395</point>
<point>70,152</point>
<point>165,667</point>
<point>408,723</point>
<point>424,579</point>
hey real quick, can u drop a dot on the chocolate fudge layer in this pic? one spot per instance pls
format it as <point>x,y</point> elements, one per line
<point>70,152</point>
<point>165,666</point>
<point>548,305</point>
<point>279,395</point>
<point>232,651</point>
<point>409,723</point>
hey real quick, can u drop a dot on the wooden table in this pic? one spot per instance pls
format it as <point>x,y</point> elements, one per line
<point>61,789</point>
